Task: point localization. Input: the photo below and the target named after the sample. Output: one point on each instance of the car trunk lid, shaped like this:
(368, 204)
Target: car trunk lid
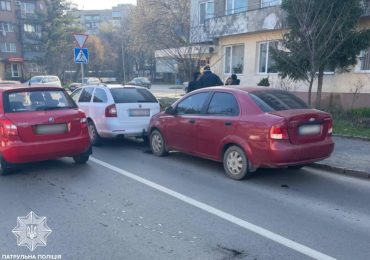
(46, 125)
(306, 125)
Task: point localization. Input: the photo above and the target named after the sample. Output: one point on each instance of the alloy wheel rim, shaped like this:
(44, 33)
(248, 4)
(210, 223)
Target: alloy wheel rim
(91, 132)
(157, 143)
(234, 163)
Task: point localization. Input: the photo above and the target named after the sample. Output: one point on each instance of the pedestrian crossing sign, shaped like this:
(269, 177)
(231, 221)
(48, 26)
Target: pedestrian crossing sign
(81, 56)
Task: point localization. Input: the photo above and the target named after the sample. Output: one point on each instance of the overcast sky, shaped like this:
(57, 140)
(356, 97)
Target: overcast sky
(95, 4)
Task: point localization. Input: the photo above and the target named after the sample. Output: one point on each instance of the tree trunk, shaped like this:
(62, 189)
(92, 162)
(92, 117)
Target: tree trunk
(310, 92)
(319, 88)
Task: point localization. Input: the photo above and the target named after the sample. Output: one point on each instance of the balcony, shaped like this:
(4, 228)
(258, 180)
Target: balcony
(256, 17)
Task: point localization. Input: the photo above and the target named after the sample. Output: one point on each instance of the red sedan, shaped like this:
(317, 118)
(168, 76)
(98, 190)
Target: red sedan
(40, 123)
(245, 128)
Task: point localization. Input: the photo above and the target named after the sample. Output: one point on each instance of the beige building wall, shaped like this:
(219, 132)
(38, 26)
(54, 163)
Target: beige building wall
(333, 83)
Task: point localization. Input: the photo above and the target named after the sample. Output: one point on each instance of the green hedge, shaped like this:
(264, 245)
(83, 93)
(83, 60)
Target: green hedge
(361, 112)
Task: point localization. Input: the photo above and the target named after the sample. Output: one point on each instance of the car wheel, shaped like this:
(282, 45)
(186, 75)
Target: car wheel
(296, 167)
(81, 158)
(93, 133)
(236, 164)
(4, 168)
(157, 144)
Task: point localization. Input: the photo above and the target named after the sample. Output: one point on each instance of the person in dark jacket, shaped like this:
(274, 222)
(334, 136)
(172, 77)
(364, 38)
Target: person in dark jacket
(233, 80)
(209, 79)
(194, 84)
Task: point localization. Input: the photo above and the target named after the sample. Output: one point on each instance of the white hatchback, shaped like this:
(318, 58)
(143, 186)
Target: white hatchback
(116, 110)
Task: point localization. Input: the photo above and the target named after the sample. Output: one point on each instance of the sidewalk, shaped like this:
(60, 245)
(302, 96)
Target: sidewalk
(350, 156)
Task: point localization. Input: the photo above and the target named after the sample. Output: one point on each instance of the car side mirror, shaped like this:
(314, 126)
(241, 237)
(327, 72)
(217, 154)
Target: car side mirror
(170, 111)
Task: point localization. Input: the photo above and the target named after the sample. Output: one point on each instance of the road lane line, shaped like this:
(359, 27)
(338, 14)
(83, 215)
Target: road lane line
(219, 213)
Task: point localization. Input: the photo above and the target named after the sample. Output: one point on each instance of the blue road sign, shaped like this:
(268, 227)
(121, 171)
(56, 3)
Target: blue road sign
(81, 56)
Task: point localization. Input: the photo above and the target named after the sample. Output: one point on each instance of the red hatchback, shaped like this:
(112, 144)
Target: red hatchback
(245, 128)
(40, 123)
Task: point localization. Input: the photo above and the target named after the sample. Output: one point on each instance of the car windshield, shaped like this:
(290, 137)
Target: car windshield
(39, 100)
(277, 100)
(132, 95)
(36, 79)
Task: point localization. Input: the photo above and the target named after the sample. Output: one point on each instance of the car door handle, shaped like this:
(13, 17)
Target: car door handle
(228, 123)
(192, 121)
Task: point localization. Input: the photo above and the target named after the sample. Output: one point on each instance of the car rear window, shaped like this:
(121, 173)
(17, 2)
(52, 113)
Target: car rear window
(132, 95)
(276, 100)
(37, 100)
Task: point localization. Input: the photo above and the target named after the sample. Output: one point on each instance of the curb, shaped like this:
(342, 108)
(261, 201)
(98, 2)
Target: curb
(352, 137)
(343, 171)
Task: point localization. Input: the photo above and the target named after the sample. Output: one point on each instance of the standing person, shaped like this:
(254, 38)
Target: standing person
(232, 80)
(194, 84)
(209, 79)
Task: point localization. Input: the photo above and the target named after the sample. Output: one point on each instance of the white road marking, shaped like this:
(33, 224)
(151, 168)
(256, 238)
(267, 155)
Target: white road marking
(221, 214)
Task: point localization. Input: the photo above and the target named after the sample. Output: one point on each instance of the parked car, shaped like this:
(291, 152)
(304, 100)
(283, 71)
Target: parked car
(86, 81)
(45, 79)
(116, 110)
(245, 128)
(140, 81)
(40, 123)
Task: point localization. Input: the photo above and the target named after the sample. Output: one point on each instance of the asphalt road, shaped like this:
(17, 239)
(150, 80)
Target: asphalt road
(128, 204)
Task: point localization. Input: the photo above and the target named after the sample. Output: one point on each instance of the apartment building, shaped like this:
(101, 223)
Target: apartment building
(19, 39)
(244, 31)
(92, 20)
(11, 56)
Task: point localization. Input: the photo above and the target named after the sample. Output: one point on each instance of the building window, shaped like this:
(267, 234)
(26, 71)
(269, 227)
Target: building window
(206, 11)
(234, 59)
(236, 6)
(8, 47)
(116, 14)
(267, 3)
(365, 60)
(6, 27)
(5, 6)
(28, 8)
(15, 70)
(31, 28)
(266, 61)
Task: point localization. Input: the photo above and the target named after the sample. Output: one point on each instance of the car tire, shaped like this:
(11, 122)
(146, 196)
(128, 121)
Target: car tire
(157, 144)
(296, 167)
(4, 168)
(81, 158)
(95, 139)
(236, 163)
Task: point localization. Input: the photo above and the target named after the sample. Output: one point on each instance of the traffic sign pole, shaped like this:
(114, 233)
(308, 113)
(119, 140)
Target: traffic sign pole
(82, 73)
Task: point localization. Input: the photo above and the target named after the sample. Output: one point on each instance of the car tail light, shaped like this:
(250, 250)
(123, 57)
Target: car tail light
(330, 128)
(111, 111)
(279, 132)
(8, 129)
(83, 122)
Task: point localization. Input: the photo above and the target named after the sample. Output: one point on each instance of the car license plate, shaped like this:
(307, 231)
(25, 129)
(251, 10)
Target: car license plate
(51, 129)
(139, 112)
(309, 129)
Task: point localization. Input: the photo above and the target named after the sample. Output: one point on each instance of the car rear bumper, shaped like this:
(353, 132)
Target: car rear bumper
(114, 128)
(282, 154)
(21, 152)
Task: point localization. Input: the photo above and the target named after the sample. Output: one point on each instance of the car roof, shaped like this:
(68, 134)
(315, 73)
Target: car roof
(26, 87)
(110, 86)
(238, 88)
(45, 76)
